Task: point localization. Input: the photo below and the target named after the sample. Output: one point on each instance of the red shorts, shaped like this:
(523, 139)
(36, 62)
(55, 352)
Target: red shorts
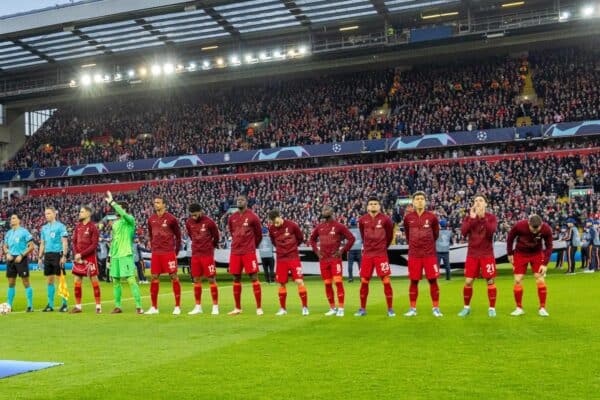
(380, 264)
(521, 261)
(163, 264)
(283, 269)
(484, 267)
(89, 267)
(203, 266)
(416, 265)
(331, 268)
(248, 261)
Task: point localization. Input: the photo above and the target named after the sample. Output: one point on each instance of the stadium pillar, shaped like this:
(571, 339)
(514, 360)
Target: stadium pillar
(12, 134)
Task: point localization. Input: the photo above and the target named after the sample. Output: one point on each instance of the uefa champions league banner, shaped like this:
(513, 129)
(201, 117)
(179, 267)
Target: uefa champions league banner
(406, 143)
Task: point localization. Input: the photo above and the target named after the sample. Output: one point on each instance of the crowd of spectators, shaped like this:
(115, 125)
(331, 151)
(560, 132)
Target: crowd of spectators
(456, 97)
(568, 82)
(467, 95)
(302, 111)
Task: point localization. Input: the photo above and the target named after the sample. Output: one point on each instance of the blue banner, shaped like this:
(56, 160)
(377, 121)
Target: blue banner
(406, 143)
(435, 33)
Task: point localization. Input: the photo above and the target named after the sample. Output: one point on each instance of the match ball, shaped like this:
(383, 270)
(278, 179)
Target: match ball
(4, 308)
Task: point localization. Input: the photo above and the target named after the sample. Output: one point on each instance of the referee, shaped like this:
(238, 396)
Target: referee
(17, 245)
(53, 254)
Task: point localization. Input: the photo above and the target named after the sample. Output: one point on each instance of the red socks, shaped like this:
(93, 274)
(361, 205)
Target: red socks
(340, 293)
(214, 292)
(329, 293)
(413, 293)
(237, 294)
(282, 297)
(364, 293)
(77, 292)
(434, 290)
(518, 290)
(542, 293)
(177, 292)
(154, 285)
(303, 295)
(257, 293)
(198, 292)
(389, 294)
(467, 294)
(96, 287)
(492, 295)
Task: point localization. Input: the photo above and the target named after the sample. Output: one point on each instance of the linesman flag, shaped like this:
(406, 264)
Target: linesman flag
(63, 291)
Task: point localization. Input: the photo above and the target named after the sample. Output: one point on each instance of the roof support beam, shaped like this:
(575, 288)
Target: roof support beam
(32, 50)
(222, 21)
(297, 12)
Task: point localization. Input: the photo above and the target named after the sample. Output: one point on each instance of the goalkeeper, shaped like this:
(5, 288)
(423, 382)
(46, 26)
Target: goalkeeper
(121, 254)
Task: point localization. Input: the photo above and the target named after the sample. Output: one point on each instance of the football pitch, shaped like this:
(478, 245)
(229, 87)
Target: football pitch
(130, 356)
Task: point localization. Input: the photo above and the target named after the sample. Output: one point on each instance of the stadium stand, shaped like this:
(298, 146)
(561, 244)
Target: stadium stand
(352, 106)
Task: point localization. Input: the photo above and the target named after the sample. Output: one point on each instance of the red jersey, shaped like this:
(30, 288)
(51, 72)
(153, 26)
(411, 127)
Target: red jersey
(421, 233)
(330, 235)
(377, 234)
(165, 234)
(481, 234)
(204, 235)
(85, 239)
(286, 239)
(246, 232)
(530, 243)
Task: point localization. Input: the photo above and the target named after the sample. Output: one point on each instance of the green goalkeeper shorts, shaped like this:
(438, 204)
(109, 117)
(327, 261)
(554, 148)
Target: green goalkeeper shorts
(122, 267)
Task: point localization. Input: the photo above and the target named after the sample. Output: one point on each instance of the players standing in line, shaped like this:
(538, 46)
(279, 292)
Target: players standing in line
(246, 232)
(479, 227)
(18, 243)
(165, 242)
(422, 229)
(85, 263)
(286, 236)
(53, 254)
(377, 233)
(204, 234)
(121, 255)
(530, 234)
(330, 234)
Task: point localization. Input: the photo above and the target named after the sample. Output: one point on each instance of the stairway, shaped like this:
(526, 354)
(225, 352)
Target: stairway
(528, 93)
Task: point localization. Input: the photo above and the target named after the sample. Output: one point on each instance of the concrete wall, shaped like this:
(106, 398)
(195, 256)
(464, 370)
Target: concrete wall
(12, 134)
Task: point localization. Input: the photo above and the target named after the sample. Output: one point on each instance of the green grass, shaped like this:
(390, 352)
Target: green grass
(129, 356)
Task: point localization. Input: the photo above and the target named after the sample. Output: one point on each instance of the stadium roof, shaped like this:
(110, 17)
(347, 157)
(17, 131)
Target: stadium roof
(102, 27)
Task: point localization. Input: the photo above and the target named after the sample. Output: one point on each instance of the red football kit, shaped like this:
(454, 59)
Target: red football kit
(205, 238)
(246, 233)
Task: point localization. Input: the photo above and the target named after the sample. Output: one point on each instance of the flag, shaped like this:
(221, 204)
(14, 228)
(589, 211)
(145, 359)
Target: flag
(63, 291)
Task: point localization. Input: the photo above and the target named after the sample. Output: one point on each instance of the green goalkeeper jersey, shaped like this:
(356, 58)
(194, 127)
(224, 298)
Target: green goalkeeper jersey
(123, 231)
